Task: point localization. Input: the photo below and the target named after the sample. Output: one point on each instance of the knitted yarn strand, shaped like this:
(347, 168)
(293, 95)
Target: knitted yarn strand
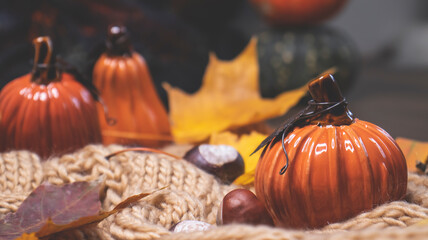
(191, 195)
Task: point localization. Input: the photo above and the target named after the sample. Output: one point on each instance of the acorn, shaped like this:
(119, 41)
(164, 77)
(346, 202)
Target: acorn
(242, 206)
(223, 161)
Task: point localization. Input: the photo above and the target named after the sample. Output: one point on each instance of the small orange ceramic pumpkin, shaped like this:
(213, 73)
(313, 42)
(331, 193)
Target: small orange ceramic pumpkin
(338, 165)
(123, 79)
(47, 111)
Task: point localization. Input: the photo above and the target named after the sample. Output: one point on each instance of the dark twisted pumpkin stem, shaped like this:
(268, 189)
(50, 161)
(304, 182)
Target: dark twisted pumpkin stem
(118, 42)
(328, 107)
(44, 69)
(326, 93)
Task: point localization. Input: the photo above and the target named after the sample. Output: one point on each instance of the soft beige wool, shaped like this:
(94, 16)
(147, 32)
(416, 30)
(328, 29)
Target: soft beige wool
(191, 194)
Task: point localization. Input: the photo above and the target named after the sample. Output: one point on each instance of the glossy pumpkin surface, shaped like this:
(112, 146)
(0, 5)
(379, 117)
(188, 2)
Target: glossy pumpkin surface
(335, 171)
(298, 12)
(124, 82)
(49, 118)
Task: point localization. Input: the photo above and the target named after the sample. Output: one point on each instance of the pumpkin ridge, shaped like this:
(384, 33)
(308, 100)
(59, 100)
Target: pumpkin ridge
(129, 83)
(343, 187)
(387, 153)
(285, 209)
(102, 79)
(82, 110)
(311, 162)
(262, 192)
(43, 121)
(54, 108)
(145, 97)
(365, 199)
(65, 118)
(7, 110)
(29, 127)
(287, 197)
(389, 161)
(271, 164)
(72, 89)
(124, 106)
(19, 127)
(333, 150)
(296, 203)
(137, 99)
(374, 198)
(162, 124)
(143, 71)
(69, 124)
(110, 74)
(11, 125)
(8, 92)
(100, 74)
(396, 159)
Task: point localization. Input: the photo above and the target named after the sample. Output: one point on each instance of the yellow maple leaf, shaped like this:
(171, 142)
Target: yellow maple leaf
(229, 98)
(245, 145)
(413, 151)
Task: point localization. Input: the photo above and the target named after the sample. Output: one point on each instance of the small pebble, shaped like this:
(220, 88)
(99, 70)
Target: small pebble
(190, 226)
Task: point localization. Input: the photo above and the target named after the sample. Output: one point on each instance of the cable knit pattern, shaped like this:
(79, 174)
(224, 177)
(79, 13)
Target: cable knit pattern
(20, 171)
(190, 194)
(10, 202)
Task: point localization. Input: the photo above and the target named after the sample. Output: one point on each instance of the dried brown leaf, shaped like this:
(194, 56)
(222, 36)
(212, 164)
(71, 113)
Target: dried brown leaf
(51, 209)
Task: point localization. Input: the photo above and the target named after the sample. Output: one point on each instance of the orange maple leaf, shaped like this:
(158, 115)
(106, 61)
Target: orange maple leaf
(229, 98)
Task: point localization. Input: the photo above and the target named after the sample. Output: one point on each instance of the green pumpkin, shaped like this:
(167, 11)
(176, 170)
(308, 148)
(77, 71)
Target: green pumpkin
(291, 58)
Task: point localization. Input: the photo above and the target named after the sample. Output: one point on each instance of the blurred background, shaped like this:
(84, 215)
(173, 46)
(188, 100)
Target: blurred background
(380, 48)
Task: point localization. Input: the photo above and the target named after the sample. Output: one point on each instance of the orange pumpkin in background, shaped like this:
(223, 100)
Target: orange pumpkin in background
(338, 166)
(298, 12)
(124, 82)
(48, 112)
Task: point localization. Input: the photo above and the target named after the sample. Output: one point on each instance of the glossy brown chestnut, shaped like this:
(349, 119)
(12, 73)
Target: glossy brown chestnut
(242, 206)
(222, 161)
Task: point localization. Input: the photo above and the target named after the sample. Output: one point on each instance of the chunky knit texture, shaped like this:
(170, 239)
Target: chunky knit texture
(191, 194)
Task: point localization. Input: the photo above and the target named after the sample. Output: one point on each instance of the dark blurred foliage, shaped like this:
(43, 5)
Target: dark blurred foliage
(175, 36)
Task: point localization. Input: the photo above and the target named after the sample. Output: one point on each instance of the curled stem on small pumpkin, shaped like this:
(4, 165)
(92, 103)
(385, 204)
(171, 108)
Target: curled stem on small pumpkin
(144, 149)
(44, 70)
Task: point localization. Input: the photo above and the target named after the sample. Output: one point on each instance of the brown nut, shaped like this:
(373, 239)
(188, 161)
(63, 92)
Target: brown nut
(222, 161)
(242, 206)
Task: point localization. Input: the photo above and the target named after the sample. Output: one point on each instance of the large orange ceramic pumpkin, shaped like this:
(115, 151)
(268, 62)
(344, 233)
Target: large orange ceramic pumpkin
(47, 111)
(338, 165)
(298, 12)
(122, 77)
